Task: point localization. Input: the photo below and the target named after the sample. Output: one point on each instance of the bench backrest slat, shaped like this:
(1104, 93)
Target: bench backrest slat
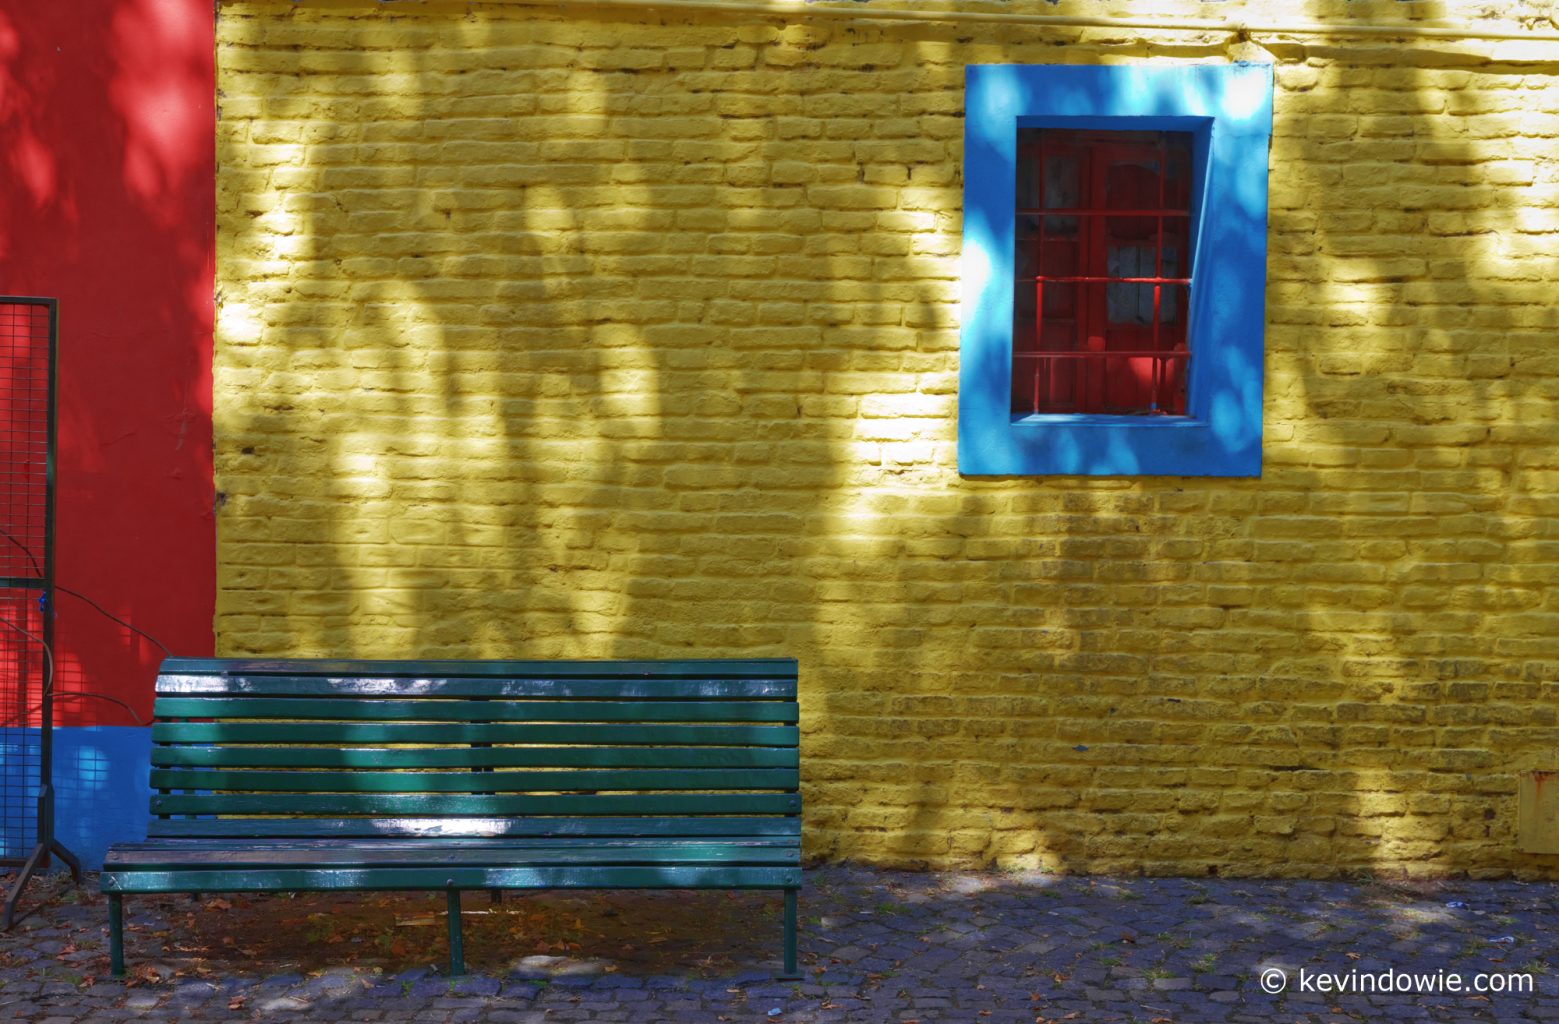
(415, 688)
(478, 710)
(689, 668)
(584, 780)
(309, 748)
(249, 755)
(340, 733)
(444, 828)
(460, 805)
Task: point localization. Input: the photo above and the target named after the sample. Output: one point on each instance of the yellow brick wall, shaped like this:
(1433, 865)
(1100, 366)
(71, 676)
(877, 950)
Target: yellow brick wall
(583, 333)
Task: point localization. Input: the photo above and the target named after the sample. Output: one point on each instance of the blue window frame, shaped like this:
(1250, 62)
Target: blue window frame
(1227, 110)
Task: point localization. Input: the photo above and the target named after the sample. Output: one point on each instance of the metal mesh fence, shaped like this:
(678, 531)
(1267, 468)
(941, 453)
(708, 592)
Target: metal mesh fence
(27, 329)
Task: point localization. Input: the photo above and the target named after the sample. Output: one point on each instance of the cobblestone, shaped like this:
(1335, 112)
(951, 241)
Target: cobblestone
(877, 946)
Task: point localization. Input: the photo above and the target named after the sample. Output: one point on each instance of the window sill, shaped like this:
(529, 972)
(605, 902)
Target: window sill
(1103, 420)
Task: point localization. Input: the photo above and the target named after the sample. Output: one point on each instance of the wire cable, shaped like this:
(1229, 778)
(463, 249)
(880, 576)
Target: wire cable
(48, 684)
(48, 672)
(105, 612)
(24, 549)
(16, 721)
(48, 655)
(79, 595)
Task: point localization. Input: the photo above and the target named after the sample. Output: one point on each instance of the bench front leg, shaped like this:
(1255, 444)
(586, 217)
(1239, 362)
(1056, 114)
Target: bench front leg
(457, 953)
(116, 938)
(790, 974)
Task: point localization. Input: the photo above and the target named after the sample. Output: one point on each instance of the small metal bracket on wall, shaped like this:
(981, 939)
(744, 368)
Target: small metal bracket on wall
(29, 342)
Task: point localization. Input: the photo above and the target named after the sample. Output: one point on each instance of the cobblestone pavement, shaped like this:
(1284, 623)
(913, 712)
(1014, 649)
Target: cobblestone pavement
(877, 946)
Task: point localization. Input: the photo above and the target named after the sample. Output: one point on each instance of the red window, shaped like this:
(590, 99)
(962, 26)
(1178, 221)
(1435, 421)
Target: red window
(1103, 272)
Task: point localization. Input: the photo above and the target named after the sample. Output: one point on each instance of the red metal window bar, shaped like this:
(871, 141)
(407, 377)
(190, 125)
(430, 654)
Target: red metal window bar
(1103, 263)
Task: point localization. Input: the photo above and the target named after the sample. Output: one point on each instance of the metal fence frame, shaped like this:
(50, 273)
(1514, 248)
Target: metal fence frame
(40, 581)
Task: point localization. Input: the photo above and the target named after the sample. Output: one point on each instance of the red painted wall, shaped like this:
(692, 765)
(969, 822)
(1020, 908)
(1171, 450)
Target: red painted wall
(107, 202)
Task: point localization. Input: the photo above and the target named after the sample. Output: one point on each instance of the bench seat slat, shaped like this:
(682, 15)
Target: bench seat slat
(537, 688)
(394, 732)
(436, 805)
(250, 756)
(404, 855)
(479, 827)
(529, 781)
(386, 710)
(408, 878)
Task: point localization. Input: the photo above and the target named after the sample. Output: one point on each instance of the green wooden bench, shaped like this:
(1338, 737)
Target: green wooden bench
(447, 775)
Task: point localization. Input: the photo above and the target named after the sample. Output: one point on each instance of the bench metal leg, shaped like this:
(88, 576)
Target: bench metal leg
(116, 939)
(790, 973)
(496, 895)
(457, 953)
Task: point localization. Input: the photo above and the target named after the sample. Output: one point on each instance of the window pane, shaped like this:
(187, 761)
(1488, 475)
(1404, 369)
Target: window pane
(1100, 291)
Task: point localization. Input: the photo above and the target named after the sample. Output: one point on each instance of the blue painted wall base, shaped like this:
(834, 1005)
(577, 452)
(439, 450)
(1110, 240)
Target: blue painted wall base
(102, 783)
